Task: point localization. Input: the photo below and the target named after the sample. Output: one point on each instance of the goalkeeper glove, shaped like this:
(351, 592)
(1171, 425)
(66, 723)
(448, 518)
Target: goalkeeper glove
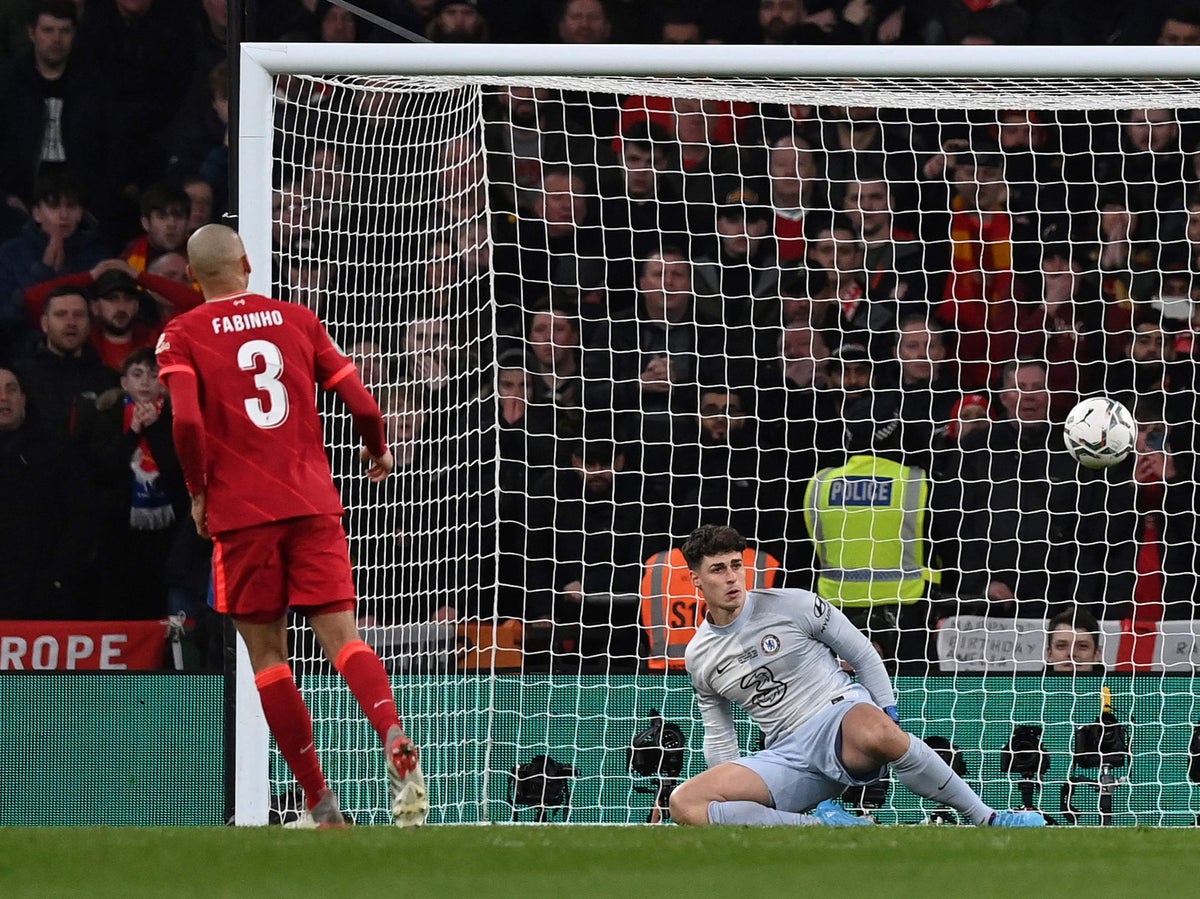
(892, 712)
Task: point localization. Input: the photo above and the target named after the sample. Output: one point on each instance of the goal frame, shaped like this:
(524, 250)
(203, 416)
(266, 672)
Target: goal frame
(260, 63)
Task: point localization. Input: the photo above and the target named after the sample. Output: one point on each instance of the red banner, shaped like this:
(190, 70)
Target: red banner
(82, 645)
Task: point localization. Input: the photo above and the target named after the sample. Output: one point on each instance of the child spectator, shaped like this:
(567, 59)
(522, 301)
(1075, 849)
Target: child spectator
(140, 491)
(57, 240)
(166, 211)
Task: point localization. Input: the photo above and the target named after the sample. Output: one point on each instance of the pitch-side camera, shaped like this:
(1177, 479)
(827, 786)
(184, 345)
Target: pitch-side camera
(1024, 756)
(543, 784)
(658, 752)
(1102, 745)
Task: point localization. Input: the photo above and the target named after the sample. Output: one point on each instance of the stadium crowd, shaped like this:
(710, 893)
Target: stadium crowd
(698, 307)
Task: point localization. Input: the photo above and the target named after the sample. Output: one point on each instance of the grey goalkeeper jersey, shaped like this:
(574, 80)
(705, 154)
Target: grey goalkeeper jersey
(777, 661)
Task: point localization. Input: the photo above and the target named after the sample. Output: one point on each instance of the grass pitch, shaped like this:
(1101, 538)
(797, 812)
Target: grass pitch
(629, 862)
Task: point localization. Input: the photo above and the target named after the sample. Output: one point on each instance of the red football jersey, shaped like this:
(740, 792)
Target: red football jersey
(257, 362)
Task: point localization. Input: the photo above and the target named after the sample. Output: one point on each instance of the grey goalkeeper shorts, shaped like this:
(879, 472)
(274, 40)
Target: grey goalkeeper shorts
(805, 767)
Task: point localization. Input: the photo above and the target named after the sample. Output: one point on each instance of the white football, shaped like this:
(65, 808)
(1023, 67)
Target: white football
(1099, 432)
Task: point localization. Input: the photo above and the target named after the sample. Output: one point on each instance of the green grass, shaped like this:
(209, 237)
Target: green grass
(568, 862)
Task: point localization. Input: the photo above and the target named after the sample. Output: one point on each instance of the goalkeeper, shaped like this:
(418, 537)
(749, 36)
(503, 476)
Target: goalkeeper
(773, 653)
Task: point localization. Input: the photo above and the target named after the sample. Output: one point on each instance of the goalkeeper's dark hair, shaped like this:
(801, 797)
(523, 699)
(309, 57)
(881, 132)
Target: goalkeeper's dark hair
(711, 540)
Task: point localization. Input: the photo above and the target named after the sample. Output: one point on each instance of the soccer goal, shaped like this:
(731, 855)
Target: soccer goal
(605, 294)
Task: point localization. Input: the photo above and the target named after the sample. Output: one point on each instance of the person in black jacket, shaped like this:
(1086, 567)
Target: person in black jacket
(63, 371)
(43, 515)
(1019, 510)
(57, 114)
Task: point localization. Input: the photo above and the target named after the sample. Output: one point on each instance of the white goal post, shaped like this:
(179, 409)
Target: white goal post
(474, 723)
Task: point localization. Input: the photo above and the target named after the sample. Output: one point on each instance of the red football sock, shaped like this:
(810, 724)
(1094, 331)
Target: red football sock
(291, 724)
(368, 681)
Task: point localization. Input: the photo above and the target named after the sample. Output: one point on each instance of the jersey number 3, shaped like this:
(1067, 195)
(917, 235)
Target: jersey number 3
(265, 359)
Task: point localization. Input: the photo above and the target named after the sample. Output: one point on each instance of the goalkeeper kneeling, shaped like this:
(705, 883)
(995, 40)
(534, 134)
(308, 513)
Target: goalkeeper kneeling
(774, 653)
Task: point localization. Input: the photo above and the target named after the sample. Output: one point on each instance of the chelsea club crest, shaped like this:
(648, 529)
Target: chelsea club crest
(769, 644)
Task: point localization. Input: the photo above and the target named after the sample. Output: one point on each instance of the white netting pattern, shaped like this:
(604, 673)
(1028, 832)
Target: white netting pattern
(979, 93)
(599, 311)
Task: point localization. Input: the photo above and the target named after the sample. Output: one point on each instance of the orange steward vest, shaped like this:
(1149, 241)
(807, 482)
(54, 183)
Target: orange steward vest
(672, 608)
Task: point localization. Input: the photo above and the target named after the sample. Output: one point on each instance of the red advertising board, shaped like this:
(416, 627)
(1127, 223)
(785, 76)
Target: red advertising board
(82, 645)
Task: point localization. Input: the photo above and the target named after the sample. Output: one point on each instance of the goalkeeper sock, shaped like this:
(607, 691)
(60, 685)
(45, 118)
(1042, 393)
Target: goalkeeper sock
(751, 813)
(925, 773)
(368, 681)
(291, 724)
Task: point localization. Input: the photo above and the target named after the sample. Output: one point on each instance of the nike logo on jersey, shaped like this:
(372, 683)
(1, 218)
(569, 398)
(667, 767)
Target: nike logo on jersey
(947, 783)
(743, 657)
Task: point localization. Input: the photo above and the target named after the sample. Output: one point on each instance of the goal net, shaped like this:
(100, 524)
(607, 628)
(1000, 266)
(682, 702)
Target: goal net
(841, 309)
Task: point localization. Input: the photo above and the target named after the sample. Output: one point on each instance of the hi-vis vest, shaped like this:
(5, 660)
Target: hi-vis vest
(672, 608)
(867, 522)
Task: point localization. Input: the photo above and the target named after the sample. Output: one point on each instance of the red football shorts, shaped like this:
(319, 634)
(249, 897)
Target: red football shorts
(260, 572)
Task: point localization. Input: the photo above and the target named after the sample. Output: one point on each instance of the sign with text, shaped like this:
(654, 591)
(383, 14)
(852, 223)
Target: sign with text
(974, 643)
(82, 645)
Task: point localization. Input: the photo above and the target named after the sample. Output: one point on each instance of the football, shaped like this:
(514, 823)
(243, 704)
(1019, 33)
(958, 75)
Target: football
(1099, 432)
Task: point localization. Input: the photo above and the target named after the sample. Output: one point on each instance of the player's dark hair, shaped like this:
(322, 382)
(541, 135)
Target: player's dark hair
(711, 540)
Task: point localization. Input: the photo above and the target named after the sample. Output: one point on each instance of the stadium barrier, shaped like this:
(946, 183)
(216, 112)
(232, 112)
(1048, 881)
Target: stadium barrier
(85, 749)
(111, 748)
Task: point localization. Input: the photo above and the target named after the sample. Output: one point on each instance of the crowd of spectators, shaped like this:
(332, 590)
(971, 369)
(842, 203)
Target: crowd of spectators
(647, 312)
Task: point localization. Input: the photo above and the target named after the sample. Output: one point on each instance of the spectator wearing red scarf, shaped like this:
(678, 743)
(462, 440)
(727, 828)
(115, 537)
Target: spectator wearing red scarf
(978, 298)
